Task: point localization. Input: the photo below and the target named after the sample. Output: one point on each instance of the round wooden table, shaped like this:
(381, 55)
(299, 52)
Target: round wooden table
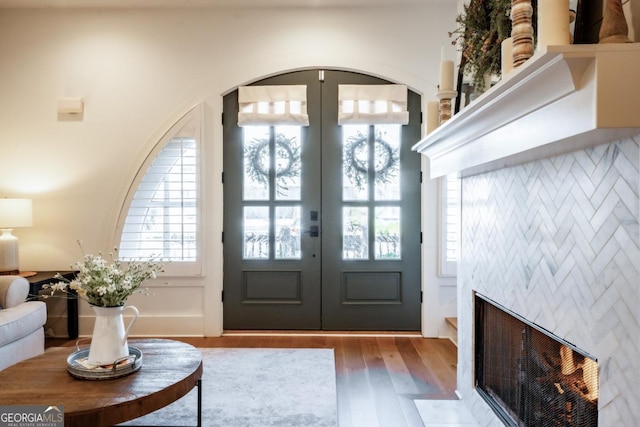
(170, 369)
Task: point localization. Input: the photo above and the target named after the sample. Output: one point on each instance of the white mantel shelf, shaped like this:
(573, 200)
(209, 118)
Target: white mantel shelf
(564, 99)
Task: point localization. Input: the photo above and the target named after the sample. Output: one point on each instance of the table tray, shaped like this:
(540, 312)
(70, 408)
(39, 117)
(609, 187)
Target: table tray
(121, 367)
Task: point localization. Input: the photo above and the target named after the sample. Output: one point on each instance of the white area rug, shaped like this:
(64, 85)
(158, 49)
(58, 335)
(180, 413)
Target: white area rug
(250, 387)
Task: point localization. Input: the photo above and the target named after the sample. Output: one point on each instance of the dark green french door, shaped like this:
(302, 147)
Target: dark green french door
(321, 223)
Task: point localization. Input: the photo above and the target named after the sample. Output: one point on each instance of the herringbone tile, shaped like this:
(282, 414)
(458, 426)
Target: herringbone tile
(557, 241)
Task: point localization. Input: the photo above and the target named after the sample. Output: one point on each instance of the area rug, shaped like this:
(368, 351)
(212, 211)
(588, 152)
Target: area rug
(247, 387)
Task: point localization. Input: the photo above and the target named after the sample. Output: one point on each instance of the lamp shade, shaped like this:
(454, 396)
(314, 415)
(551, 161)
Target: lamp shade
(15, 213)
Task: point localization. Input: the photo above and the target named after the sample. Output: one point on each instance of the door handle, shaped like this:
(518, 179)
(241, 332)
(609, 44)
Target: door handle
(314, 231)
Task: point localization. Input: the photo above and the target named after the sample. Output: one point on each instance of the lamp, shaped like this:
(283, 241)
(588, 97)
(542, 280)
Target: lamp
(14, 213)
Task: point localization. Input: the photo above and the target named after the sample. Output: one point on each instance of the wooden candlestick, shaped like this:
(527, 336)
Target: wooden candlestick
(521, 31)
(445, 97)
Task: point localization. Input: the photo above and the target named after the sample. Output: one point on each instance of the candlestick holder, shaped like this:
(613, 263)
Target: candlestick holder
(521, 31)
(445, 97)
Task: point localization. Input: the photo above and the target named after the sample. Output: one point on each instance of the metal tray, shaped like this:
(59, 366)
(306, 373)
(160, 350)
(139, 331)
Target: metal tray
(120, 368)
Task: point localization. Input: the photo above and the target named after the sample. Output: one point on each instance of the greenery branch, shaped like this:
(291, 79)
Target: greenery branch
(481, 28)
(106, 284)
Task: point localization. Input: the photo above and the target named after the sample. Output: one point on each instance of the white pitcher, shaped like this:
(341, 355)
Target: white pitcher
(109, 340)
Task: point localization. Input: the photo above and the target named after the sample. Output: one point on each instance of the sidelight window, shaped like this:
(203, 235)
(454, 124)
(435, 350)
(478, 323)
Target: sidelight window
(450, 195)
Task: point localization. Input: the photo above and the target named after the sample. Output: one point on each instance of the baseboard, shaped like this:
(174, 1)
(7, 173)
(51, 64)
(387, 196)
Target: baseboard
(450, 330)
(400, 334)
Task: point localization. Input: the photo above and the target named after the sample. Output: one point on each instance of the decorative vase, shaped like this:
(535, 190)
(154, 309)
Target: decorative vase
(109, 340)
(614, 28)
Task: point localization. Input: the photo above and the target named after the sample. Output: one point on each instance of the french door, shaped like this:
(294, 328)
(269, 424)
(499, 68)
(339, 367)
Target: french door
(322, 222)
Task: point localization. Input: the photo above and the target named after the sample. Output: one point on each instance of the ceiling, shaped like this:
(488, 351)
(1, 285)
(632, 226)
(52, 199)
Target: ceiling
(27, 4)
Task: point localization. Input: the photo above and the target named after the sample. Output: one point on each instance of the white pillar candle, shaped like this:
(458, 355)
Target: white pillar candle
(506, 59)
(446, 75)
(433, 116)
(553, 23)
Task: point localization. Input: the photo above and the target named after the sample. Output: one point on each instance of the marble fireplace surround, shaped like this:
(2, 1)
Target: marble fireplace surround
(550, 167)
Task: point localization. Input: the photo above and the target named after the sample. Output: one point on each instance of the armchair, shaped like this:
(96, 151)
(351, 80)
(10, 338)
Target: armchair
(21, 322)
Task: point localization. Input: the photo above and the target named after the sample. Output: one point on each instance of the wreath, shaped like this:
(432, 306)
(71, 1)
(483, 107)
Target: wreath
(356, 160)
(481, 28)
(287, 161)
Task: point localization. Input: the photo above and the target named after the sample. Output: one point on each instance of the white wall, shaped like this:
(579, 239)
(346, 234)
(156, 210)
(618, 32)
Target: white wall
(138, 71)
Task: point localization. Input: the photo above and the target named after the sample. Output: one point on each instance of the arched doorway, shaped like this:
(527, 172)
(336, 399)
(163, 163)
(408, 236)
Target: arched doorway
(322, 222)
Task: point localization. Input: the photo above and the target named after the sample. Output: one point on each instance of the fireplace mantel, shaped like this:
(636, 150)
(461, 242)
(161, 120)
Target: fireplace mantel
(563, 99)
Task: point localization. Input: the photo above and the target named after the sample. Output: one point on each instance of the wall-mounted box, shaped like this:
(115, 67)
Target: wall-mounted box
(70, 106)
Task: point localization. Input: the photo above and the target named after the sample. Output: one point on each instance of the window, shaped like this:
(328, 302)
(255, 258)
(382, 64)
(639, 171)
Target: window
(162, 207)
(449, 224)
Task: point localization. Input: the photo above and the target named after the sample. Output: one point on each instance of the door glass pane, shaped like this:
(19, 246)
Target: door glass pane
(387, 229)
(387, 162)
(257, 160)
(256, 232)
(355, 233)
(287, 232)
(288, 163)
(355, 162)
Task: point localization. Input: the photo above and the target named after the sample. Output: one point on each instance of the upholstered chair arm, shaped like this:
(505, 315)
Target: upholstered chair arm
(13, 291)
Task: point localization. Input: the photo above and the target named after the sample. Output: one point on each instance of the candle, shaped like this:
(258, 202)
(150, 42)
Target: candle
(446, 75)
(506, 58)
(553, 23)
(433, 116)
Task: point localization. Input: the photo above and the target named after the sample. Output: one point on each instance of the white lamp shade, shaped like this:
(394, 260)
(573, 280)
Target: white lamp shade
(15, 213)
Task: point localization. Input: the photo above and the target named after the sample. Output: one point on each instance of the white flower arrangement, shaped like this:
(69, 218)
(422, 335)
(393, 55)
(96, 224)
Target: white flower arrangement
(107, 284)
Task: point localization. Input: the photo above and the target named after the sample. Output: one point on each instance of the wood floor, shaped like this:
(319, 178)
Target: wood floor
(378, 376)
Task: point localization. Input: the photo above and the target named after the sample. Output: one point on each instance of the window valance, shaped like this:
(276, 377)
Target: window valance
(272, 105)
(372, 104)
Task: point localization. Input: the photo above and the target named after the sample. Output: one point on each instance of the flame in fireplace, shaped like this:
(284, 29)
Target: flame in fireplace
(568, 365)
(589, 368)
(590, 377)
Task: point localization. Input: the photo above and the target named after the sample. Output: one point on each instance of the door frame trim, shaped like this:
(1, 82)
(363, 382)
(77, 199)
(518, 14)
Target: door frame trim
(433, 323)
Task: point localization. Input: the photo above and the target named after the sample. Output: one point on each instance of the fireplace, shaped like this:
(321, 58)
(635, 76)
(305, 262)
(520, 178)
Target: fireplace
(528, 376)
(549, 215)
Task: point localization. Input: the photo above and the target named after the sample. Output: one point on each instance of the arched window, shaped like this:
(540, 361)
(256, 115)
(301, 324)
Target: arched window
(162, 213)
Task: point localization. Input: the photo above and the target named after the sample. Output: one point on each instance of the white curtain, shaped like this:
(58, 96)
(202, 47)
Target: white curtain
(272, 105)
(372, 104)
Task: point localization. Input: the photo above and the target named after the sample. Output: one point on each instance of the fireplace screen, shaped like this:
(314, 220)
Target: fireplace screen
(528, 376)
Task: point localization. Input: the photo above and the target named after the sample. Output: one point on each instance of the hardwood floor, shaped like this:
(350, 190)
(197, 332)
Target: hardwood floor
(378, 376)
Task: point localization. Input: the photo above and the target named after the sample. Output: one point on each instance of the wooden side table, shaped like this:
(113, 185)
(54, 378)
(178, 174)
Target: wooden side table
(36, 284)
